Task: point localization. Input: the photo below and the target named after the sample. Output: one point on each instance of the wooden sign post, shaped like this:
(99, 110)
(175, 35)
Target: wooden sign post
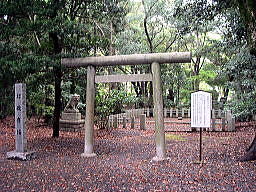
(20, 126)
(201, 105)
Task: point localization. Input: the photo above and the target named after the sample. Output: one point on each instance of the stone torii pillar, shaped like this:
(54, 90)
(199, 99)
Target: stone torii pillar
(89, 119)
(158, 113)
(155, 59)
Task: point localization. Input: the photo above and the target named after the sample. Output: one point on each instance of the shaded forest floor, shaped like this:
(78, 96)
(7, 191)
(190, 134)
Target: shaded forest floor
(124, 162)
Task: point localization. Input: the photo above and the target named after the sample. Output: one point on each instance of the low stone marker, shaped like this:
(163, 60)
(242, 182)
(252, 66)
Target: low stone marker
(143, 121)
(132, 122)
(230, 121)
(124, 122)
(115, 122)
(21, 152)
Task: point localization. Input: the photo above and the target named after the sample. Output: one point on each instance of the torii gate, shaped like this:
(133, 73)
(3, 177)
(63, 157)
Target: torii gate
(155, 59)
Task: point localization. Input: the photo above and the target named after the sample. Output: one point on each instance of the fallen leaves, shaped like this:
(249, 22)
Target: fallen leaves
(124, 161)
(174, 137)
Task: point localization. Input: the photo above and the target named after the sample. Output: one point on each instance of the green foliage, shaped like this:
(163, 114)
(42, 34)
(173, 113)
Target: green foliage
(244, 108)
(36, 34)
(110, 102)
(241, 69)
(218, 33)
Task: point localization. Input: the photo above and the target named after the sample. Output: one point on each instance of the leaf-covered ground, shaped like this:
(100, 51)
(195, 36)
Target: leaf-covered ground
(124, 162)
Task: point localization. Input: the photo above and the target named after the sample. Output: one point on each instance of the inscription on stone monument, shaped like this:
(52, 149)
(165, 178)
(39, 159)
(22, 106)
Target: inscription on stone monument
(20, 126)
(201, 104)
(20, 117)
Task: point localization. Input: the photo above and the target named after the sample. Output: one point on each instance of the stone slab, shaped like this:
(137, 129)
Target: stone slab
(88, 155)
(69, 122)
(71, 129)
(21, 155)
(72, 126)
(71, 116)
(156, 158)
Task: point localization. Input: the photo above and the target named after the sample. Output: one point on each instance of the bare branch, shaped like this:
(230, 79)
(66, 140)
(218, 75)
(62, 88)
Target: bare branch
(174, 39)
(202, 64)
(159, 43)
(32, 20)
(98, 26)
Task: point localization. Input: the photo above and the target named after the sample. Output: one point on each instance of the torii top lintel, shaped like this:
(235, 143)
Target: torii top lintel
(134, 59)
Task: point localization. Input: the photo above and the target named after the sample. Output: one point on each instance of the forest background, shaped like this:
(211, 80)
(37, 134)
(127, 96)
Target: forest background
(36, 34)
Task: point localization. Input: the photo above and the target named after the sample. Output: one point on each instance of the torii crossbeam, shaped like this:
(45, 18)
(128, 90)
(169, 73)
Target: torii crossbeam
(155, 59)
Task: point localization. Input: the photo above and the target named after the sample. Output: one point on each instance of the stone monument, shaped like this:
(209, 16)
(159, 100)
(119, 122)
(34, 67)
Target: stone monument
(21, 151)
(71, 117)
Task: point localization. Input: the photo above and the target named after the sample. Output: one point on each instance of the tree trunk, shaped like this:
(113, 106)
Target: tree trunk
(170, 95)
(73, 87)
(150, 102)
(251, 152)
(178, 93)
(57, 99)
(48, 103)
(57, 82)
(3, 95)
(226, 92)
(247, 9)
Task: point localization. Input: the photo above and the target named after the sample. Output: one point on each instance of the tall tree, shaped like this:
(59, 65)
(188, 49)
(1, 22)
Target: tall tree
(241, 63)
(46, 31)
(242, 73)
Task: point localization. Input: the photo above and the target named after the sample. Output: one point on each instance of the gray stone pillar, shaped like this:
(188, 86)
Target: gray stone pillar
(182, 112)
(20, 118)
(132, 122)
(89, 119)
(219, 113)
(158, 113)
(177, 112)
(124, 121)
(171, 110)
(148, 113)
(143, 121)
(115, 122)
(165, 112)
(213, 121)
(233, 124)
(21, 151)
(230, 124)
(223, 124)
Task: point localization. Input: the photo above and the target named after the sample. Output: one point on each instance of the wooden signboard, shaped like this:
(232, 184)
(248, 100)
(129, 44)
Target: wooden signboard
(201, 104)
